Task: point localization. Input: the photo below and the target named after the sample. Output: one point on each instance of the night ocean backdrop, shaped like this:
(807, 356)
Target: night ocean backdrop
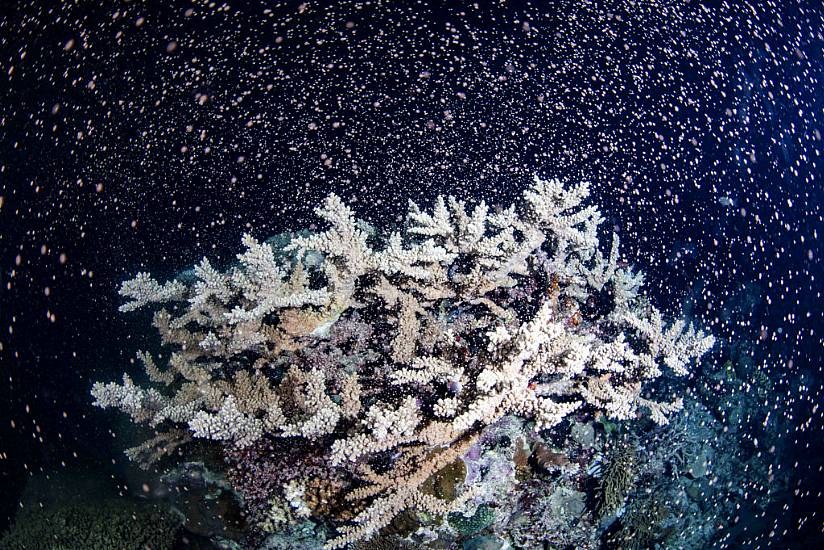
(144, 136)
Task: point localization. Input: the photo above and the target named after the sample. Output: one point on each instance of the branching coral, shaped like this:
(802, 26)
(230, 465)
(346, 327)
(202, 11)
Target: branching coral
(616, 479)
(470, 316)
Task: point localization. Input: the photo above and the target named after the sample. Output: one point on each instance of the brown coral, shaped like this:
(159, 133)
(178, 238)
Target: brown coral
(548, 459)
(617, 479)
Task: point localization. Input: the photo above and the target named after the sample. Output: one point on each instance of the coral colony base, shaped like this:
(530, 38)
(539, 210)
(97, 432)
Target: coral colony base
(363, 364)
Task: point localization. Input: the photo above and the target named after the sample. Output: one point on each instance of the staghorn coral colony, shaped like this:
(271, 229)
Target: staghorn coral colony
(345, 373)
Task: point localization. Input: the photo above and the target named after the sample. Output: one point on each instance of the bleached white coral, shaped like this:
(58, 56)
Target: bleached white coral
(210, 342)
(615, 356)
(446, 407)
(675, 345)
(498, 337)
(477, 315)
(546, 412)
(139, 403)
(659, 412)
(320, 412)
(384, 427)
(142, 290)
(489, 240)
(421, 262)
(383, 422)
(560, 211)
(295, 494)
(264, 283)
(211, 284)
(344, 243)
(227, 424)
(603, 269)
(617, 401)
(425, 370)
(626, 287)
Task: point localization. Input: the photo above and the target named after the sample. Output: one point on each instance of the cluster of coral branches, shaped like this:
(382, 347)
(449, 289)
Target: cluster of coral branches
(379, 358)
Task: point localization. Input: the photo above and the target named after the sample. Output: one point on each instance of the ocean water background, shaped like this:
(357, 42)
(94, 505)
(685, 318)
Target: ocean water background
(135, 136)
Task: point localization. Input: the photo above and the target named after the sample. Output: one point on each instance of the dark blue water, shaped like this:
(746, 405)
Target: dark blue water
(142, 137)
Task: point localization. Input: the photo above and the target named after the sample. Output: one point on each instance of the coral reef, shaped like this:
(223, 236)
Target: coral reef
(552, 515)
(616, 478)
(640, 527)
(696, 484)
(375, 361)
(483, 517)
(113, 524)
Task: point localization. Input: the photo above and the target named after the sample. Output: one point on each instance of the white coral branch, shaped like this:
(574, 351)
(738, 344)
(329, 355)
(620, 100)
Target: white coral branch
(142, 290)
(227, 424)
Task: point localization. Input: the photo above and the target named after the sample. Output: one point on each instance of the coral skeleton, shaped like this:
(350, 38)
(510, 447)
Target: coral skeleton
(460, 319)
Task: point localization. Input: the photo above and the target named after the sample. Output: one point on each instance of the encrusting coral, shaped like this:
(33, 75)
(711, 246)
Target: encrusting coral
(470, 315)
